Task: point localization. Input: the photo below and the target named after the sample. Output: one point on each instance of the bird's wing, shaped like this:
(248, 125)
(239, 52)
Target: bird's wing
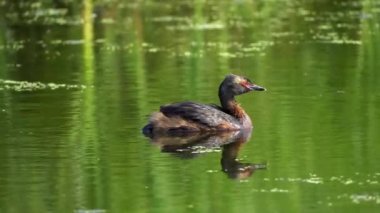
(207, 115)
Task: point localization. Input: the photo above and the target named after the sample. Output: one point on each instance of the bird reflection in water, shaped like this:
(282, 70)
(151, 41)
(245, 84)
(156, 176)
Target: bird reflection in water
(189, 145)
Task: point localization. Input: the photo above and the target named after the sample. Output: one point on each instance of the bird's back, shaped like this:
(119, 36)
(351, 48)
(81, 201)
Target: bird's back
(190, 116)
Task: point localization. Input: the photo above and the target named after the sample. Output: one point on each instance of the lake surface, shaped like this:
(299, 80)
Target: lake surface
(79, 80)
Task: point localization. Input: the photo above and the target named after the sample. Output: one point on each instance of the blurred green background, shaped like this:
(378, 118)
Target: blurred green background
(78, 80)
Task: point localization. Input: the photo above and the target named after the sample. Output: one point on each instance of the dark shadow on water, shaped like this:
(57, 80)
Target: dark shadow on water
(190, 145)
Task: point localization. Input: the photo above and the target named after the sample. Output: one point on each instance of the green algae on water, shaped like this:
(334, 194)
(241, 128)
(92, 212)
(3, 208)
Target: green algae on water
(20, 86)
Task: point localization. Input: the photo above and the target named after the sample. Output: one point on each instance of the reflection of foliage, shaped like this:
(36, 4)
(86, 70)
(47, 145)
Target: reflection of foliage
(322, 76)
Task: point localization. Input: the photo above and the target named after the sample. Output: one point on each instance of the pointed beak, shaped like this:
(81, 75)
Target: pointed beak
(256, 87)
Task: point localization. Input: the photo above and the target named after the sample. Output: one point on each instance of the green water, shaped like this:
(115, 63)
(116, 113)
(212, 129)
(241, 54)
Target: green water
(79, 80)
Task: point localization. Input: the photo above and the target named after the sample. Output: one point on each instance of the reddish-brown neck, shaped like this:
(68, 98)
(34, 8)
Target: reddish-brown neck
(229, 104)
(235, 109)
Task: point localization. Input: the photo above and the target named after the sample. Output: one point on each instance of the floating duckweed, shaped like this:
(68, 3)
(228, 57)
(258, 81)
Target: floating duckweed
(153, 50)
(231, 49)
(325, 27)
(107, 21)
(314, 180)
(100, 41)
(38, 13)
(63, 42)
(258, 46)
(171, 19)
(279, 190)
(228, 55)
(202, 149)
(274, 190)
(13, 46)
(349, 181)
(372, 182)
(286, 34)
(20, 86)
(204, 26)
(56, 41)
(360, 198)
(74, 42)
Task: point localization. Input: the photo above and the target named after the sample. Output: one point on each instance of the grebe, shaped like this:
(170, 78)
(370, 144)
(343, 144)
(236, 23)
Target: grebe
(196, 117)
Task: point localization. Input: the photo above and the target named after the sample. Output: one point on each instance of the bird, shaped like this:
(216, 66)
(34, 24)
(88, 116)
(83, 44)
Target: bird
(188, 116)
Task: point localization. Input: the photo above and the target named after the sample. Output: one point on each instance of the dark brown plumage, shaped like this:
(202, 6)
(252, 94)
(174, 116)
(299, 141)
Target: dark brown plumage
(190, 116)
